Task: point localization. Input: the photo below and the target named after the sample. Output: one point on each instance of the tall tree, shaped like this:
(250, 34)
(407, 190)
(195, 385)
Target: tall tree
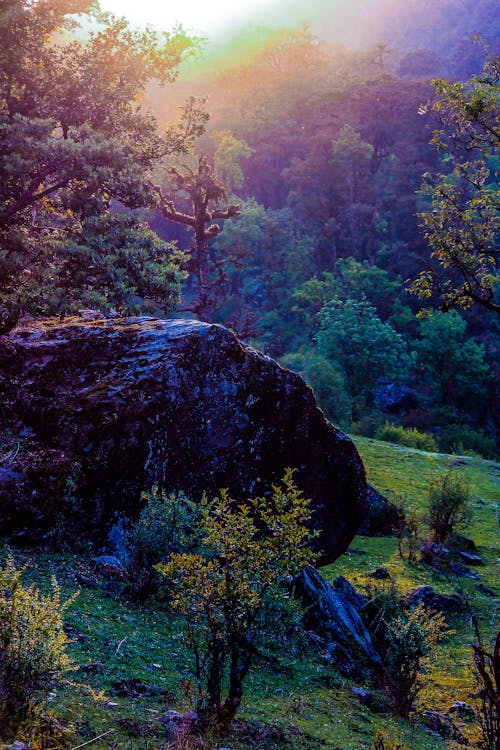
(74, 142)
(204, 194)
(196, 194)
(368, 350)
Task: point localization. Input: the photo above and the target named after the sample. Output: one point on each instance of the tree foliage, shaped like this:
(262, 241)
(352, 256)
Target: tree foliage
(462, 226)
(76, 143)
(368, 350)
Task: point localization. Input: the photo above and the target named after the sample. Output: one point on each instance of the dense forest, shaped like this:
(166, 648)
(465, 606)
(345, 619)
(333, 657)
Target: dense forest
(327, 194)
(336, 158)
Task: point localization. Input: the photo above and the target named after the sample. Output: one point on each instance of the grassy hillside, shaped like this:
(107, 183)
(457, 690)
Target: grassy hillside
(133, 663)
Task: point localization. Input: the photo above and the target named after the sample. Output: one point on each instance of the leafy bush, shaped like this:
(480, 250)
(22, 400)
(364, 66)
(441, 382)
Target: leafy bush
(32, 641)
(411, 637)
(166, 524)
(222, 592)
(408, 436)
(448, 505)
(463, 440)
(406, 639)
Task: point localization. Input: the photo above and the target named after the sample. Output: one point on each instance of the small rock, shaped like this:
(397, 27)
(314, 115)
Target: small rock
(380, 573)
(89, 583)
(462, 708)
(444, 726)
(134, 688)
(178, 725)
(363, 695)
(109, 566)
(459, 569)
(486, 590)
(469, 559)
(462, 543)
(452, 603)
(433, 554)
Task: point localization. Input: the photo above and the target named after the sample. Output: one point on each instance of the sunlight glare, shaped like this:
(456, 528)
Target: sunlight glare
(198, 16)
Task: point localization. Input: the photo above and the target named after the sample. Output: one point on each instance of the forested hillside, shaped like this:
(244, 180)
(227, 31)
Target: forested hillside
(334, 157)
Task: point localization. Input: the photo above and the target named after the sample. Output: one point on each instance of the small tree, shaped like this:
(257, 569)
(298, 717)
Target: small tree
(367, 349)
(405, 638)
(32, 641)
(487, 675)
(448, 506)
(408, 534)
(249, 551)
(411, 638)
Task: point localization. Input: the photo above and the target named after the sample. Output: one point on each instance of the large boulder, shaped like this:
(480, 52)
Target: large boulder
(102, 409)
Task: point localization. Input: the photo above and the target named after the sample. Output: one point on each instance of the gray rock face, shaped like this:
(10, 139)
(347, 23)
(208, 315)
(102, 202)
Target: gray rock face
(108, 408)
(332, 613)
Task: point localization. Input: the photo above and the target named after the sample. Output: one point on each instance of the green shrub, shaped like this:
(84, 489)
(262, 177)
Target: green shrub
(406, 639)
(32, 641)
(411, 637)
(448, 505)
(166, 525)
(462, 440)
(408, 436)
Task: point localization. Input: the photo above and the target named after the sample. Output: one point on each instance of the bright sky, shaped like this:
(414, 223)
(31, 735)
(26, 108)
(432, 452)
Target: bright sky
(205, 17)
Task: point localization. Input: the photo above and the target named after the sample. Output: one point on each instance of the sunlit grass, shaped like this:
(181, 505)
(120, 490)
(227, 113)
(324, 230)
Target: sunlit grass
(294, 698)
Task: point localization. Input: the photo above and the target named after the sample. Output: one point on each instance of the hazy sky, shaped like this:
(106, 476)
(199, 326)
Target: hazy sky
(201, 16)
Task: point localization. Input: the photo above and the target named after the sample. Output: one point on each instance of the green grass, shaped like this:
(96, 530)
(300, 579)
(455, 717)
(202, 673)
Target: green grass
(294, 698)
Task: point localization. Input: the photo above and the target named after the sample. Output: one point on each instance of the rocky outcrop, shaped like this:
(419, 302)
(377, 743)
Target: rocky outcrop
(102, 409)
(332, 611)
